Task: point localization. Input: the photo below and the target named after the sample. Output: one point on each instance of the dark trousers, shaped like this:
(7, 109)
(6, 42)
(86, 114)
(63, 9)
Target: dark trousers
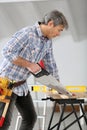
(26, 109)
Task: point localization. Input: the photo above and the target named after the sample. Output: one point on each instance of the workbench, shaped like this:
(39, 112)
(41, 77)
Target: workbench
(79, 99)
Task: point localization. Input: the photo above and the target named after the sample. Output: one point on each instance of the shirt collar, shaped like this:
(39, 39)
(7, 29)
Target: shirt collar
(38, 30)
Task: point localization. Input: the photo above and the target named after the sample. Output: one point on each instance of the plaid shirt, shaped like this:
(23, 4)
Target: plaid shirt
(30, 44)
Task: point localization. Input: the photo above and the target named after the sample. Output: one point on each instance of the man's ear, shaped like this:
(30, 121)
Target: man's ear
(50, 23)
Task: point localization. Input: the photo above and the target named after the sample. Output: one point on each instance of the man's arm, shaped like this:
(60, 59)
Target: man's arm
(32, 67)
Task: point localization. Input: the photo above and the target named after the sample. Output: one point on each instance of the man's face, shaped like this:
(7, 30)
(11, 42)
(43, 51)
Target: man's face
(54, 31)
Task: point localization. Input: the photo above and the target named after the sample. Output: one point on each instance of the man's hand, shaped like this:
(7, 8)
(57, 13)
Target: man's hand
(34, 68)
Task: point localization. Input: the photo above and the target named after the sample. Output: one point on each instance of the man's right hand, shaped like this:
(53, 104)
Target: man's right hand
(34, 68)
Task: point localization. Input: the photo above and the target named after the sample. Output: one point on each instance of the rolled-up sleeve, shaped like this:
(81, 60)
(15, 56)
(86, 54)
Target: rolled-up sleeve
(14, 46)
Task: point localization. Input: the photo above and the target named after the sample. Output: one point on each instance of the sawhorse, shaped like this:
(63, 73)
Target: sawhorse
(64, 103)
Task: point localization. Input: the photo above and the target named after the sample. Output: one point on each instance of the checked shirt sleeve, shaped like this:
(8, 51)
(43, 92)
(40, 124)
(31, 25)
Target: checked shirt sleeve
(50, 63)
(14, 46)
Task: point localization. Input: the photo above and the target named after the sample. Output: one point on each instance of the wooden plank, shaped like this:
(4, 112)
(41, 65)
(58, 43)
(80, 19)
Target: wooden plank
(69, 109)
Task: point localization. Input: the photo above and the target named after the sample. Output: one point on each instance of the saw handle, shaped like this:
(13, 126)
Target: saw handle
(40, 73)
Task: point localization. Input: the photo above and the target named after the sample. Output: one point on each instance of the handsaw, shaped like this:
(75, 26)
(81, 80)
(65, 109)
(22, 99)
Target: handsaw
(45, 78)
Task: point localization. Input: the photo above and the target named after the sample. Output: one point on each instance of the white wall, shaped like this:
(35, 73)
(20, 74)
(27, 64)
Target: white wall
(2, 43)
(71, 60)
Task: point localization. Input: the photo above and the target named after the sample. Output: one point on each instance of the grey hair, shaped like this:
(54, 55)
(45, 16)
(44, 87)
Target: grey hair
(57, 17)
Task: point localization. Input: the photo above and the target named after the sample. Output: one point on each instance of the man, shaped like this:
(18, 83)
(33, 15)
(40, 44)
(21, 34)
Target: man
(21, 54)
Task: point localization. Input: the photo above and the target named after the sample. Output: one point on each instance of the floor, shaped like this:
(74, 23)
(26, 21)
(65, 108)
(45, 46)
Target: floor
(38, 125)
